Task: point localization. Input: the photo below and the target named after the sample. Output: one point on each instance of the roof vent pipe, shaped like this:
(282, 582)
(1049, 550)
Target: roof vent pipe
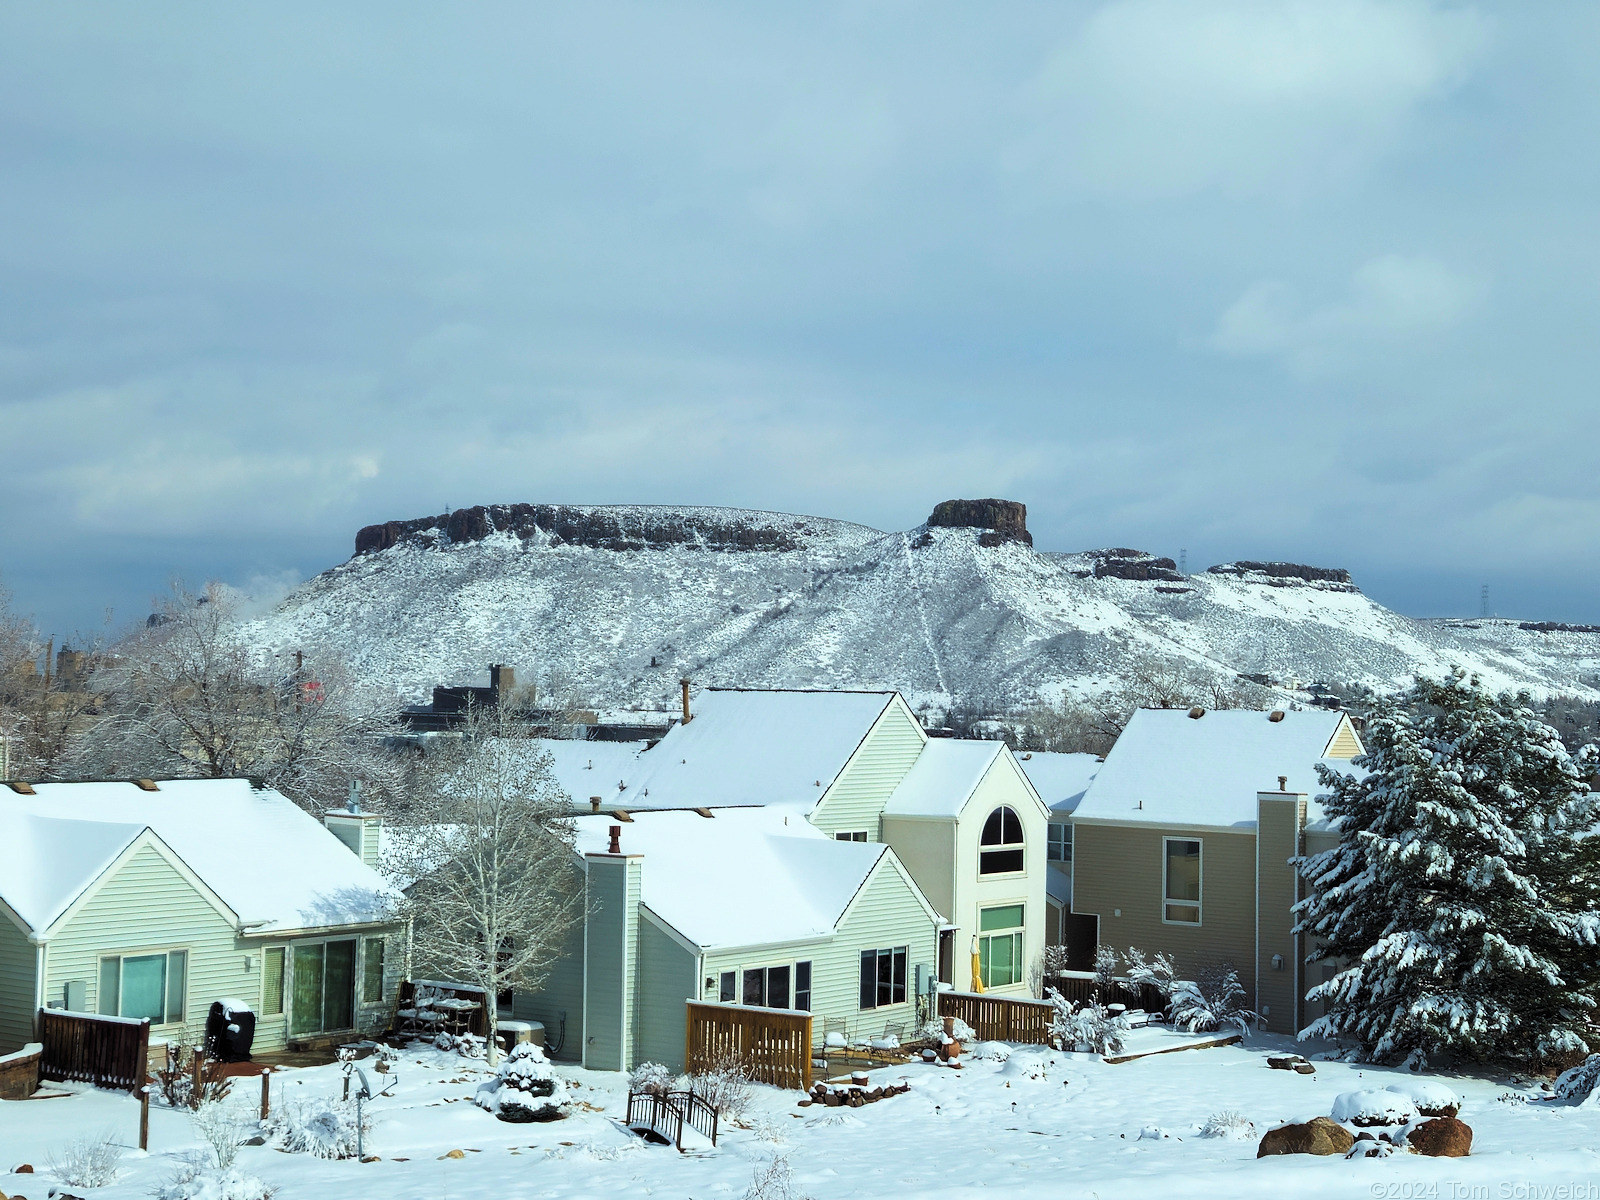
(684, 684)
(594, 803)
(1283, 783)
(616, 840)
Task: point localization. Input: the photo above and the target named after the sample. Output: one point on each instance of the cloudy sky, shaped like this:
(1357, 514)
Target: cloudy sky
(1309, 280)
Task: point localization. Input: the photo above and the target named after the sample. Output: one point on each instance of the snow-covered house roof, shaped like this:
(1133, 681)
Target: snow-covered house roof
(943, 778)
(271, 863)
(1060, 779)
(754, 747)
(1168, 768)
(50, 862)
(587, 769)
(742, 876)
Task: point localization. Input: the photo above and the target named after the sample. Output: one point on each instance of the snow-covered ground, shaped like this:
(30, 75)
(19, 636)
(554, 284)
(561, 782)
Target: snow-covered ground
(1037, 1124)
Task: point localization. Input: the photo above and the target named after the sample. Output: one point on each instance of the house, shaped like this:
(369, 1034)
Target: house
(1182, 842)
(751, 906)
(956, 820)
(1061, 781)
(154, 899)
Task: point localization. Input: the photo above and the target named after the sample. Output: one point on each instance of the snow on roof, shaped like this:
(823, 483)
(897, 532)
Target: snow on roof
(50, 861)
(267, 859)
(585, 769)
(1060, 779)
(754, 747)
(1168, 768)
(742, 876)
(943, 778)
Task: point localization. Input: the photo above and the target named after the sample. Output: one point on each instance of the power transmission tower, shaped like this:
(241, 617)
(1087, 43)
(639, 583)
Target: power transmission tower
(1483, 601)
(1183, 562)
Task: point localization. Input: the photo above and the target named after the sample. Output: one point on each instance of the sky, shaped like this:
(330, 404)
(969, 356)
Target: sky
(1307, 280)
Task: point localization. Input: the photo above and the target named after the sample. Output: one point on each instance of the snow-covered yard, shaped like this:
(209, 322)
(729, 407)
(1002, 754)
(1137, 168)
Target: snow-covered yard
(1037, 1123)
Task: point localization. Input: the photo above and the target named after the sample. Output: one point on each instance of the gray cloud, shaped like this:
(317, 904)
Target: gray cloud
(1310, 280)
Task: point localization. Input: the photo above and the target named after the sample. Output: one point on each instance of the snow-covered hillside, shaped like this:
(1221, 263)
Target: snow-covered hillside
(625, 600)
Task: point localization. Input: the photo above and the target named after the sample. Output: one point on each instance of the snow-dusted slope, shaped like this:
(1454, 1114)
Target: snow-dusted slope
(626, 600)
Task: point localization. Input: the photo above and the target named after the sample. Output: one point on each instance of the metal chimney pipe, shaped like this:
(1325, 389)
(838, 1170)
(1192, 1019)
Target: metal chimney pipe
(1283, 783)
(616, 840)
(684, 684)
(594, 803)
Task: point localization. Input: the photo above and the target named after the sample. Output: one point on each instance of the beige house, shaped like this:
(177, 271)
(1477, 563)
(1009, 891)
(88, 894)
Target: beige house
(1182, 843)
(155, 899)
(1061, 780)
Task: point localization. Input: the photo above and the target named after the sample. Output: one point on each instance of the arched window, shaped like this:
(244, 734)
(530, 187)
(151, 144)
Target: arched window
(1000, 851)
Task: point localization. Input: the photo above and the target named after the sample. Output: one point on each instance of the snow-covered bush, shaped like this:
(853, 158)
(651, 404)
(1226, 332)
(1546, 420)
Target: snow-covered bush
(174, 1083)
(962, 1032)
(88, 1162)
(321, 1125)
(224, 1128)
(1105, 971)
(1431, 1098)
(991, 1051)
(1582, 1083)
(1229, 1123)
(772, 1181)
(725, 1085)
(525, 1088)
(198, 1181)
(1088, 1026)
(1374, 1107)
(1156, 971)
(1214, 1003)
(650, 1077)
(468, 1045)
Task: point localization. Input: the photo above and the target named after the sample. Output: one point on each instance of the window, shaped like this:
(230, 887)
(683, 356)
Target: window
(322, 986)
(769, 987)
(851, 835)
(372, 970)
(726, 993)
(883, 977)
(272, 982)
(1000, 945)
(1181, 898)
(1060, 848)
(151, 986)
(1001, 844)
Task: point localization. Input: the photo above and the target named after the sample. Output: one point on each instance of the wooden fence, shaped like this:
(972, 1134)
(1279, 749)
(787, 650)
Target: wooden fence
(1080, 986)
(109, 1052)
(773, 1044)
(999, 1018)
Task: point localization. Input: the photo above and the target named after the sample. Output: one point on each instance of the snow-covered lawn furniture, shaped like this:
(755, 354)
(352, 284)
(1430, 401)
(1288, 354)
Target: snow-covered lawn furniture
(429, 1007)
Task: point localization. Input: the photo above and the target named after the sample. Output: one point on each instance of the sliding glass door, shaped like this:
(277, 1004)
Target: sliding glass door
(323, 987)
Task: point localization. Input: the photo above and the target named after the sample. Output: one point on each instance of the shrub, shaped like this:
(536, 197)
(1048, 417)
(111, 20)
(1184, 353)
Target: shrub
(175, 1081)
(223, 1128)
(197, 1181)
(1229, 1123)
(1089, 1026)
(1156, 971)
(772, 1181)
(1581, 1082)
(524, 1088)
(319, 1125)
(1211, 1004)
(725, 1085)
(88, 1162)
(650, 1077)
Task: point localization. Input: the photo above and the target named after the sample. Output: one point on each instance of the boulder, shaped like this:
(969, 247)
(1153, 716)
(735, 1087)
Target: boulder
(1320, 1135)
(1006, 519)
(1442, 1137)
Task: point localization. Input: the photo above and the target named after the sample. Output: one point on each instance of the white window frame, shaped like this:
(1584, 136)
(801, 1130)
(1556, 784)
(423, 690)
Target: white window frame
(288, 983)
(765, 967)
(851, 835)
(907, 987)
(1058, 846)
(1003, 847)
(362, 999)
(1200, 884)
(1018, 935)
(166, 989)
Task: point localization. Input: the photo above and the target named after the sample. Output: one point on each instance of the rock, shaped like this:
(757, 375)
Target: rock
(1123, 563)
(24, 1169)
(1284, 1062)
(1442, 1137)
(1320, 1135)
(1304, 1069)
(1432, 1099)
(1282, 574)
(371, 1158)
(1007, 520)
(257, 1140)
(453, 1154)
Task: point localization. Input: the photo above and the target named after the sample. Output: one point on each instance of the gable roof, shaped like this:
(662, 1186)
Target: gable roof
(1060, 779)
(1168, 768)
(754, 747)
(587, 769)
(943, 778)
(741, 877)
(50, 862)
(268, 860)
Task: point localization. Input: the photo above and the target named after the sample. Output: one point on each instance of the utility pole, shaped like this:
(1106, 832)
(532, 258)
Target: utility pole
(1483, 601)
(1183, 561)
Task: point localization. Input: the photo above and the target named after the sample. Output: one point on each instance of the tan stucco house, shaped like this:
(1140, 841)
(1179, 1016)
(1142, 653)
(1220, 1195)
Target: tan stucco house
(1182, 843)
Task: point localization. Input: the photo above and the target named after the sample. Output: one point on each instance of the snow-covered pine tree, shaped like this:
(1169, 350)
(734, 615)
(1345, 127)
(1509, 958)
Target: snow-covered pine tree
(1460, 903)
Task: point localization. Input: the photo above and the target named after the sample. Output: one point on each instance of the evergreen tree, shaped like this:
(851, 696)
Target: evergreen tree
(1460, 905)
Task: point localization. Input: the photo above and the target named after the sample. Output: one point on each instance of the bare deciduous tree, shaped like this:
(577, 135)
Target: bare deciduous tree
(183, 696)
(484, 851)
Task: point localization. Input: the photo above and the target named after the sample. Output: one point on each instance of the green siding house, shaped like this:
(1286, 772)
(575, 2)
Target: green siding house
(155, 899)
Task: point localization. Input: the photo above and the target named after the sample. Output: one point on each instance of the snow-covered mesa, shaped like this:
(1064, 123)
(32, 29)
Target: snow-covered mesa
(623, 601)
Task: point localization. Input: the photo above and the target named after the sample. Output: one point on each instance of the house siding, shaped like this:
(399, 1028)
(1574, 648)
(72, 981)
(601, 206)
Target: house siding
(1277, 841)
(558, 1002)
(666, 979)
(856, 799)
(19, 965)
(612, 947)
(927, 850)
(1120, 867)
(1345, 744)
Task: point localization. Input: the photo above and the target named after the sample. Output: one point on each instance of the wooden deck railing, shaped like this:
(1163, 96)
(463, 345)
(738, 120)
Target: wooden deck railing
(109, 1052)
(1080, 986)
(772, 1044)
(999, 1018)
